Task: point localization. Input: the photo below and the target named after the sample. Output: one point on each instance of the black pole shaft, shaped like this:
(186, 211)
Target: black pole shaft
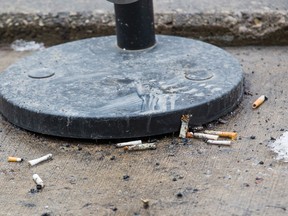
(135, 25)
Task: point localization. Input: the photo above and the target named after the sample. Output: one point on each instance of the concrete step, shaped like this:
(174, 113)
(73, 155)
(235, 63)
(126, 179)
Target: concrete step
(219, 22)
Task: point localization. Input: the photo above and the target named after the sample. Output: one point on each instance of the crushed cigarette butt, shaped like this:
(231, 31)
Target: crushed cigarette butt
(184, 126)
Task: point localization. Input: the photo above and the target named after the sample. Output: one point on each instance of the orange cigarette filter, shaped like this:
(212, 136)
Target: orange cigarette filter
(189, 135)
(14, 159)
(231, 135)
(259, 101)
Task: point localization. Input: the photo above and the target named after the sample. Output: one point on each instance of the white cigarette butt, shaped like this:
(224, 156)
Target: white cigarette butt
(205, 136)
(135, 142)
(38, 181)
(39, 160)
(184, 126)
(147, 146)
(219, 142)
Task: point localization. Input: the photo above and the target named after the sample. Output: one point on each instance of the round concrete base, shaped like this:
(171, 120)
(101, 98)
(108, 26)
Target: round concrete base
(92, 89)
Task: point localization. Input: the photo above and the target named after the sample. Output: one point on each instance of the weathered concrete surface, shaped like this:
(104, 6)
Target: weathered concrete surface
(86, 178)
(220, 22)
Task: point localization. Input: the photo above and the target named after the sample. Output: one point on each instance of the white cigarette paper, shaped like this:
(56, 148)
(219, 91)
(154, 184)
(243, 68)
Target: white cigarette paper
(39, 160)
(38, 181)
(135, 142)
(205, 136)
(219, 142)
(147, 146)
(184, 126)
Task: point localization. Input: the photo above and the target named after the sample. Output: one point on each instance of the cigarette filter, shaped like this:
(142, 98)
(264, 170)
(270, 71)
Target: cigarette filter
(184, 126)
(15, 159)
(259, 101)
(202, 136)
(39, 160)
(135, 142)
(219, 142)
(231, 135)
(147, 146)
(38, 181)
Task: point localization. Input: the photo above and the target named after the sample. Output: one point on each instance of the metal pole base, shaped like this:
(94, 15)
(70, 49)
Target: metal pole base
(92, 89)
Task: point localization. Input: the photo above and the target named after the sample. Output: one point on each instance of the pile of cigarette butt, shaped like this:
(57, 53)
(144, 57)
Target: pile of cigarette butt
(38, 181)
(136, 145)
(209, 136)
(212, 137)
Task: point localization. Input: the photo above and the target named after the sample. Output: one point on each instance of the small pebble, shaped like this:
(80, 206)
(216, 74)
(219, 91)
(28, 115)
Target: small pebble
(253, 137)
(261, 162)
(126, 177)
(179, 195)
(246, 185)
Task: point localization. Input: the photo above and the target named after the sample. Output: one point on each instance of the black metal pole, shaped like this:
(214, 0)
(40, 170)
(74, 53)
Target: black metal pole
(135, 25)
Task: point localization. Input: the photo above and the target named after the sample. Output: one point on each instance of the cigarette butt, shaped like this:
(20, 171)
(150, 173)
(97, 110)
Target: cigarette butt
(147, 146)
(38, 181)
(39, 160)
(184, 126)
(202, 136)
(15, 159)
(231, 135)
(219, 142)
(259, 101)
(135, 142)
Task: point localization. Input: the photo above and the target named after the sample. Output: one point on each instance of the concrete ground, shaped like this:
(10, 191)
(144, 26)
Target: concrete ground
(95, 178)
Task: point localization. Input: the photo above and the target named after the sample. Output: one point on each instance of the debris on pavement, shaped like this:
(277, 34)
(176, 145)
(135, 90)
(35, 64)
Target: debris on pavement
(231, 135)
(145, 203)
(38, 181)
(126, 177)
(219, 142)
(259, 101)
(130, 143)
(39, 160)
(197, 129)
(280, 147)
(140, 147)
(22, 45)
(184, 126)
(15, 159)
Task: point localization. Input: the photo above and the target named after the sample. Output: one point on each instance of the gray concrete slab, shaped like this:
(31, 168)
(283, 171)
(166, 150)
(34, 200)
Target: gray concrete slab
(220, 22)
(86, 178)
